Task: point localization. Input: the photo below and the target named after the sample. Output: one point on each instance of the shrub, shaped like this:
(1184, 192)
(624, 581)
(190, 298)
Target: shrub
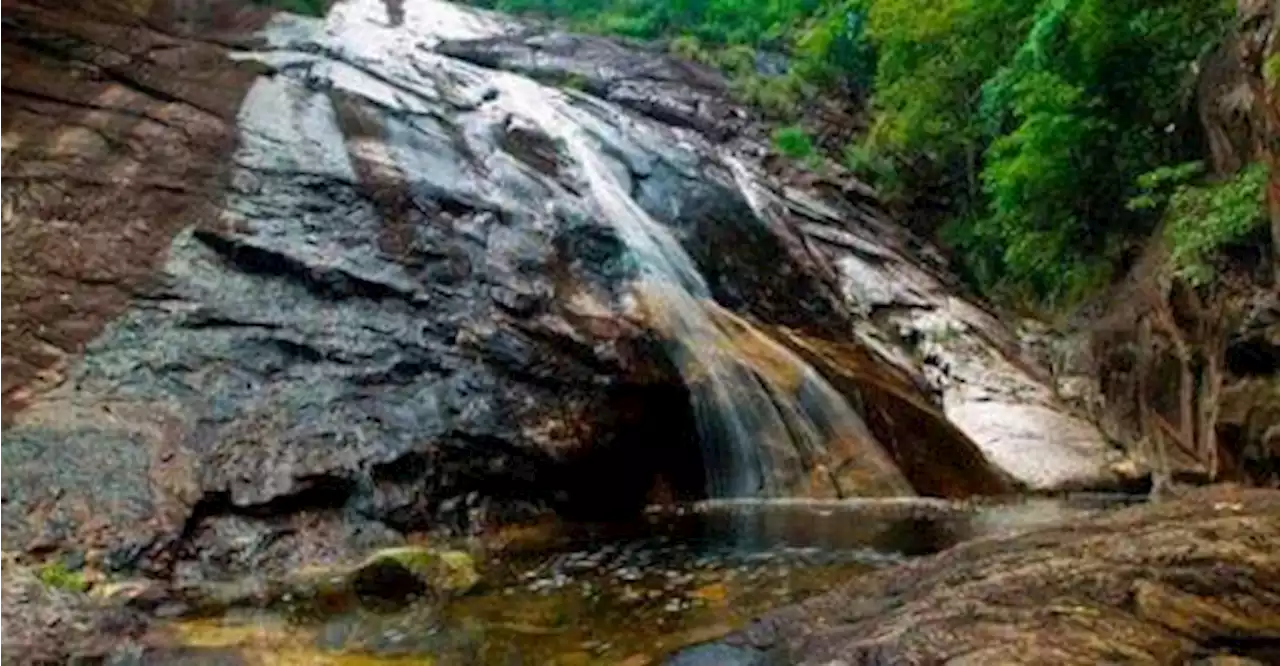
(793, 142)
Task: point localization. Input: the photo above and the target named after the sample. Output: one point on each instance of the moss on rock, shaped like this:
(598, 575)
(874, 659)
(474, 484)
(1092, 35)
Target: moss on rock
(58, 575)
(388, 577)
(443, 571)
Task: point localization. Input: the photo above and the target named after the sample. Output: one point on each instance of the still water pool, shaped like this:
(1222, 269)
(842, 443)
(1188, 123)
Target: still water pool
(582, 594)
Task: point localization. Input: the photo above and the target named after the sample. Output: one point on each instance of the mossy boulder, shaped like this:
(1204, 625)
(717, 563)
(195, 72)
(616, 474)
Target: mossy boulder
(450, 572)
(386, 578)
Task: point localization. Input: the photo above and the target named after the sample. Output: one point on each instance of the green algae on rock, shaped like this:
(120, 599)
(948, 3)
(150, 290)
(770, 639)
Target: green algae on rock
(386, 579)
(415, 568)
(446, 570)
(56, 574)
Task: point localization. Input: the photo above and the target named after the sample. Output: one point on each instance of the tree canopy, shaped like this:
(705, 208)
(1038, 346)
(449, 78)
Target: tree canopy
(1032, 121)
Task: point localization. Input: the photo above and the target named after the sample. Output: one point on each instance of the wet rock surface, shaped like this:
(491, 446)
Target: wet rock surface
(118, 125)
(1193, 579)
(855, 268)
(375, 297)
(641, 78)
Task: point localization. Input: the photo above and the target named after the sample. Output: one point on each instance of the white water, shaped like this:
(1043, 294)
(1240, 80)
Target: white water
(763, 430)
(770, 424)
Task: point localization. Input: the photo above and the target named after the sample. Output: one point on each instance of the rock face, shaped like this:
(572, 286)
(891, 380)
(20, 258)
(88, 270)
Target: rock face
(116, 137)
(338, 279)
(1173, 583)
(1195, 373)
(46, 625)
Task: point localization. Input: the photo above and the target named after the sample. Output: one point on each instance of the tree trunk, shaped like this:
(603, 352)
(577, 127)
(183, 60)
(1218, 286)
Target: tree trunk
(1186, 376)
(1269, 94)
(1210, 404)
(1148, 429)
(1273, 209)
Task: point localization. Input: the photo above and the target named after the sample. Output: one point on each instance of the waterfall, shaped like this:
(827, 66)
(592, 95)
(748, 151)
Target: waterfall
(771, 426)
(769, 423)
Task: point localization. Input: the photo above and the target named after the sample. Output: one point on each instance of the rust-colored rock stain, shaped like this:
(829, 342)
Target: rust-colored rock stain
(102, 166)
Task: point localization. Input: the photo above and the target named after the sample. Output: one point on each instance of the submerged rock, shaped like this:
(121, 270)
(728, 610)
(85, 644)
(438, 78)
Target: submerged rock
(386, 579)
(1162, 583)
(720, 654)
(445, 571)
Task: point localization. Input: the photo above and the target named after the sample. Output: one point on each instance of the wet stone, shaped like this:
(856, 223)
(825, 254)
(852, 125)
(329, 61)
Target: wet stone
(324, 308)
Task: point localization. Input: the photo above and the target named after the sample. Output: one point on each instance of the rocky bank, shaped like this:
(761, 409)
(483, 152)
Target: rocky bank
(1192, 581)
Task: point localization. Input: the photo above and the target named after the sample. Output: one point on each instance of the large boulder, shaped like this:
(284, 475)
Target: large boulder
(1188, 581)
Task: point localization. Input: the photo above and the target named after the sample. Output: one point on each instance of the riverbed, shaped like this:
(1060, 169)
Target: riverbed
(574, 594)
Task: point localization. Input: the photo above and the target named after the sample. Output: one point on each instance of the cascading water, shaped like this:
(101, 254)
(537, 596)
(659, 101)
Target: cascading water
(769, 422)
(770, 425)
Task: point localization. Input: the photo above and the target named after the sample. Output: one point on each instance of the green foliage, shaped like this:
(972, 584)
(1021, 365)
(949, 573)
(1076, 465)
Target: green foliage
(1054, 107)
(57, 575)
(1201, 219)
(832, 47)
(1027, 121)
(778, 96)
(823, 39)
(1271, 70)
(735, 60)
(1156, 185)
(874, 166)
(793, 142)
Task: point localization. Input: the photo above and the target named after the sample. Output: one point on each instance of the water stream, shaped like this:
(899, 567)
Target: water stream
(589, 594)
(770, 425)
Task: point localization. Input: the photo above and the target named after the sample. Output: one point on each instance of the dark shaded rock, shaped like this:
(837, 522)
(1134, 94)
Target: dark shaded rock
(1162, 583)
(1249, 417)
(228, 544)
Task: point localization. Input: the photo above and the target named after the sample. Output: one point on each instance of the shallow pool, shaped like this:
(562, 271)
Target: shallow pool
(582, 594)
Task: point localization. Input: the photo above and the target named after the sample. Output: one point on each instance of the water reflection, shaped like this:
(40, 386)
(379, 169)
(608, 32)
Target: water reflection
(586, 594)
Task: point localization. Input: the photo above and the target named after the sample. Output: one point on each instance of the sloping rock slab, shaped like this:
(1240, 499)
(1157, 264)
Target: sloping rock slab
(1196, 578)
(895, 288)
(115, 136)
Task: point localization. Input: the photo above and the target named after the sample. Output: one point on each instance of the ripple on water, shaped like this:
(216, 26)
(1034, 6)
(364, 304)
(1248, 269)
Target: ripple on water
(629, 594)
